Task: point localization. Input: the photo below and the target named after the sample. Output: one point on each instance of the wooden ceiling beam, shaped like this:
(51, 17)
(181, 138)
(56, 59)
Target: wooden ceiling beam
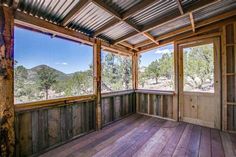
(105, 7)
(192, 21)
(180, 7)
(187, 34)
(149, 36)
(189, 28)
(130, 12)
(108, 9)
(74, 11)
(37, 24)
(157, 23)
(126, 44)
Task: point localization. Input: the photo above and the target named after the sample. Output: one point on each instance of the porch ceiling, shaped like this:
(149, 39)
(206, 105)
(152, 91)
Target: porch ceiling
(123, 21)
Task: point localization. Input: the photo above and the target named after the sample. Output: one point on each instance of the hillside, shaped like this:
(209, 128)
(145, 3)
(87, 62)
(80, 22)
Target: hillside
(32, 73)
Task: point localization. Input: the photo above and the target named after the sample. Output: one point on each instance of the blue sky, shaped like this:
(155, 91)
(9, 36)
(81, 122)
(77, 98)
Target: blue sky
(152, 55)
(33, 49)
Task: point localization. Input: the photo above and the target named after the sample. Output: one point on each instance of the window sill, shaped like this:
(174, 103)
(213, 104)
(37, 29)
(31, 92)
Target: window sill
(158, 92)
(52, 102)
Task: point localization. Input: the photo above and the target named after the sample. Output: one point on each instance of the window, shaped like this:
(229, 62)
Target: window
(156, 69)
(49, 68)
(116, 72)
(199, 68)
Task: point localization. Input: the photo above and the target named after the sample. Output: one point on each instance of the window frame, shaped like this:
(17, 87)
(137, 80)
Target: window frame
(122, 90)
(61, 100)
(174, 65)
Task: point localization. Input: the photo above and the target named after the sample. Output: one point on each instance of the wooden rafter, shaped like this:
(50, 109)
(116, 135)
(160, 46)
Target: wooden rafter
(199, 5)
(189, 28)
(105, 7)
(180, 7)
(76, 9)
(27, 21)
(150, 37)
(126, 44)
(188, 34)
(192, 21)
(132, 11)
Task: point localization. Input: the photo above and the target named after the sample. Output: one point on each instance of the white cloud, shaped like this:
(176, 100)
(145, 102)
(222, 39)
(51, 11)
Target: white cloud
(162, 51)
(63, 63)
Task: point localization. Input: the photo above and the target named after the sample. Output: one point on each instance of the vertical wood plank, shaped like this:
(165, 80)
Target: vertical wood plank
(161, 106)
(43, 129)
(35, 131)
(53, 126)
(25, 134)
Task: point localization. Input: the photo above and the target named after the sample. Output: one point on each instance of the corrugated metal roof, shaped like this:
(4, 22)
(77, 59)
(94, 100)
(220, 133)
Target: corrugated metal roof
(51, 10)
(215, 9)
(121, 5)
(119, 30)
(157, 10)
(137, 39)
(171, 26)
(90, 19)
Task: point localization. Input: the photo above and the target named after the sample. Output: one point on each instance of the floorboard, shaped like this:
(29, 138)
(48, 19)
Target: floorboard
(142, 136)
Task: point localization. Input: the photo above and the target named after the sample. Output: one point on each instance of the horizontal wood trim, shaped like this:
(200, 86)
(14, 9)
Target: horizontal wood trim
(52, 102)
(116, 93)
(157, 92)
(36, 24)
(198, 93)
(231, 103)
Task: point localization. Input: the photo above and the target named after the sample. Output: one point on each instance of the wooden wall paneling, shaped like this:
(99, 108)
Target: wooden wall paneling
(25, 134)
(76, 119)
(17, 135)
(43, 129)
(148, 103)
(151, 106)
(53, 126)
(224, 78)
(137, 98)
(117, 107)
(229, 76)
(161, 106)
(35, 131)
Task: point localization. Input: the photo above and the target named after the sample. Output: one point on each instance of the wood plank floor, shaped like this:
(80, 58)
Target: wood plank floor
(142, 136)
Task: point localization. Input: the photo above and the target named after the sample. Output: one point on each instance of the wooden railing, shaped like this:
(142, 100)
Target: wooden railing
(117, 105)
(155, 103)
(40, 126)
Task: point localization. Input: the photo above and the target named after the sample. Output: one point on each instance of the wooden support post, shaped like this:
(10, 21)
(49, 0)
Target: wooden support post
(176, 95)
(97, 82)
(7, 137)
(135, 71)
(192, 21)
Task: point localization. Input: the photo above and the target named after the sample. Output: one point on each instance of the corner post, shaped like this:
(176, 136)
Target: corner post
(97, 82)
(7, 136)
(135, 71)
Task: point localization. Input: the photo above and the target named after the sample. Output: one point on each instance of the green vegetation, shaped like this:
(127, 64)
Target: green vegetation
(198, 70)
(116, 73)
(43, 82)
(158, 74)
